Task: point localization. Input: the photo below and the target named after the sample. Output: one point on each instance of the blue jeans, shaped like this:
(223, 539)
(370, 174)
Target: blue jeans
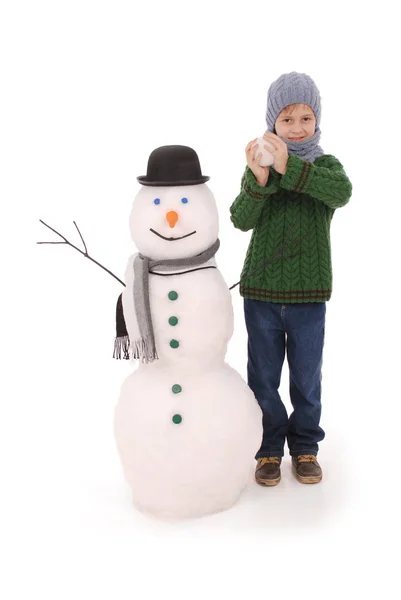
(299, 328)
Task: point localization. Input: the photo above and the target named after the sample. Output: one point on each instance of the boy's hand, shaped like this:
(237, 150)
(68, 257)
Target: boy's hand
(253, 160)
(279, 151)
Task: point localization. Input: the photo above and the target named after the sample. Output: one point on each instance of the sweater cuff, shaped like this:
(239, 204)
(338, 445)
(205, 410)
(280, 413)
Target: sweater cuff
(297, 174)
(257, 192)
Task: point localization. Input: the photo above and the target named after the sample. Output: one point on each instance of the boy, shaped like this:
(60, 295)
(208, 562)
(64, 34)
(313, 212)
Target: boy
(287, 276)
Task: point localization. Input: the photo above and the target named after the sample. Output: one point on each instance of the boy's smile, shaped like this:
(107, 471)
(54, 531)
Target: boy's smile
(296, 123)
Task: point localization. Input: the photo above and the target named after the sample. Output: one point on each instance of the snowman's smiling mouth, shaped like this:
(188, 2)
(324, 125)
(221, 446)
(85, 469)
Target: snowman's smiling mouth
(171, 239)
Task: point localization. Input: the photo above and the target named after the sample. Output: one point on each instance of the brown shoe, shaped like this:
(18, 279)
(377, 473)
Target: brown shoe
(307, 469)
(268, 470)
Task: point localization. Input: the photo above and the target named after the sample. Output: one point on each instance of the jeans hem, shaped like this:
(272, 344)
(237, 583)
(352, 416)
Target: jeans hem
(301, 452)
(279, 453)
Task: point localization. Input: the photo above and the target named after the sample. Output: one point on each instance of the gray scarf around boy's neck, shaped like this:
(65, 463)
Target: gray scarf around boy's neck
(309, 149)
(144, 348)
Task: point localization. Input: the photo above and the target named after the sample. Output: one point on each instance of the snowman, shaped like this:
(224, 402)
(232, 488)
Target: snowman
(186, 424)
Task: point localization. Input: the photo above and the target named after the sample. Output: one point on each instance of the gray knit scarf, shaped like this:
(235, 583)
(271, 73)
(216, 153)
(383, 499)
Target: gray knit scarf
(309, 149)
(144, 348)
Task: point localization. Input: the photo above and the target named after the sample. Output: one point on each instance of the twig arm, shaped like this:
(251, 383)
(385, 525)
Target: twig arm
(75, 247)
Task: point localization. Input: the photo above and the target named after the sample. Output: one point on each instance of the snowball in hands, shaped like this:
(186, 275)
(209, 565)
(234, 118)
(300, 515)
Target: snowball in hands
(267, 159)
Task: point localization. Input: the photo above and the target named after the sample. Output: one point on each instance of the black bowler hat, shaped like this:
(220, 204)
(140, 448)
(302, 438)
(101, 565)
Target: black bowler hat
(173, 166)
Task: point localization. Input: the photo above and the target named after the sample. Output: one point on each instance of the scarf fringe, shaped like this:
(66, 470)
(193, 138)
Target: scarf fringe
(141, 349)
(122, 348)
(144, 350)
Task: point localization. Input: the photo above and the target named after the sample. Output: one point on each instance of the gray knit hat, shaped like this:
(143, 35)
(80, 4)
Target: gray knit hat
(291, 88)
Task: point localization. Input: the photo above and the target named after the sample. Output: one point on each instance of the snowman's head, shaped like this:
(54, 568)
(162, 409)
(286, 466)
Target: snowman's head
(174, 221)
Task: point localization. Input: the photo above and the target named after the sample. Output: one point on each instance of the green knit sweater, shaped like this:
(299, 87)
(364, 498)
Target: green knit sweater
(290, 218)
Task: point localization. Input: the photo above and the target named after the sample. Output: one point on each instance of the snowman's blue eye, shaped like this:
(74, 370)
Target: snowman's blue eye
(156, 200)
(184, 200)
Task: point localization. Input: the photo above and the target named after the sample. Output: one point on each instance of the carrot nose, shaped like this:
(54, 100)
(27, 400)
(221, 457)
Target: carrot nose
(172, 218)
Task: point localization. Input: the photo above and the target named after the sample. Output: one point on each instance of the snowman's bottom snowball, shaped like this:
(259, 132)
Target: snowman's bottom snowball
(199, 465)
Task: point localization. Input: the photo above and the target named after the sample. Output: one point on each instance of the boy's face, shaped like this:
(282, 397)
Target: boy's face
(296, 123)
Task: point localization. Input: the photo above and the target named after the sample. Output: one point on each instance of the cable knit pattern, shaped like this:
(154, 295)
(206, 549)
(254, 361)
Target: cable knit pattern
(294, 209)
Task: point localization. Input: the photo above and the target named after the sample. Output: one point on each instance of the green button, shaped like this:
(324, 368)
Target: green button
(173, 295)
(177, 419)
(174, 343)
(176, 388)
(173, 320)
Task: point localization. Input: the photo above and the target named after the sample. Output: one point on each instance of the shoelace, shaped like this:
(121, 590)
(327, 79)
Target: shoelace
(269, 459)
(306, 458)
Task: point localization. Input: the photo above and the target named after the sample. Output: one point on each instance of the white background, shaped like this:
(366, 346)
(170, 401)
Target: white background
(88, 90)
